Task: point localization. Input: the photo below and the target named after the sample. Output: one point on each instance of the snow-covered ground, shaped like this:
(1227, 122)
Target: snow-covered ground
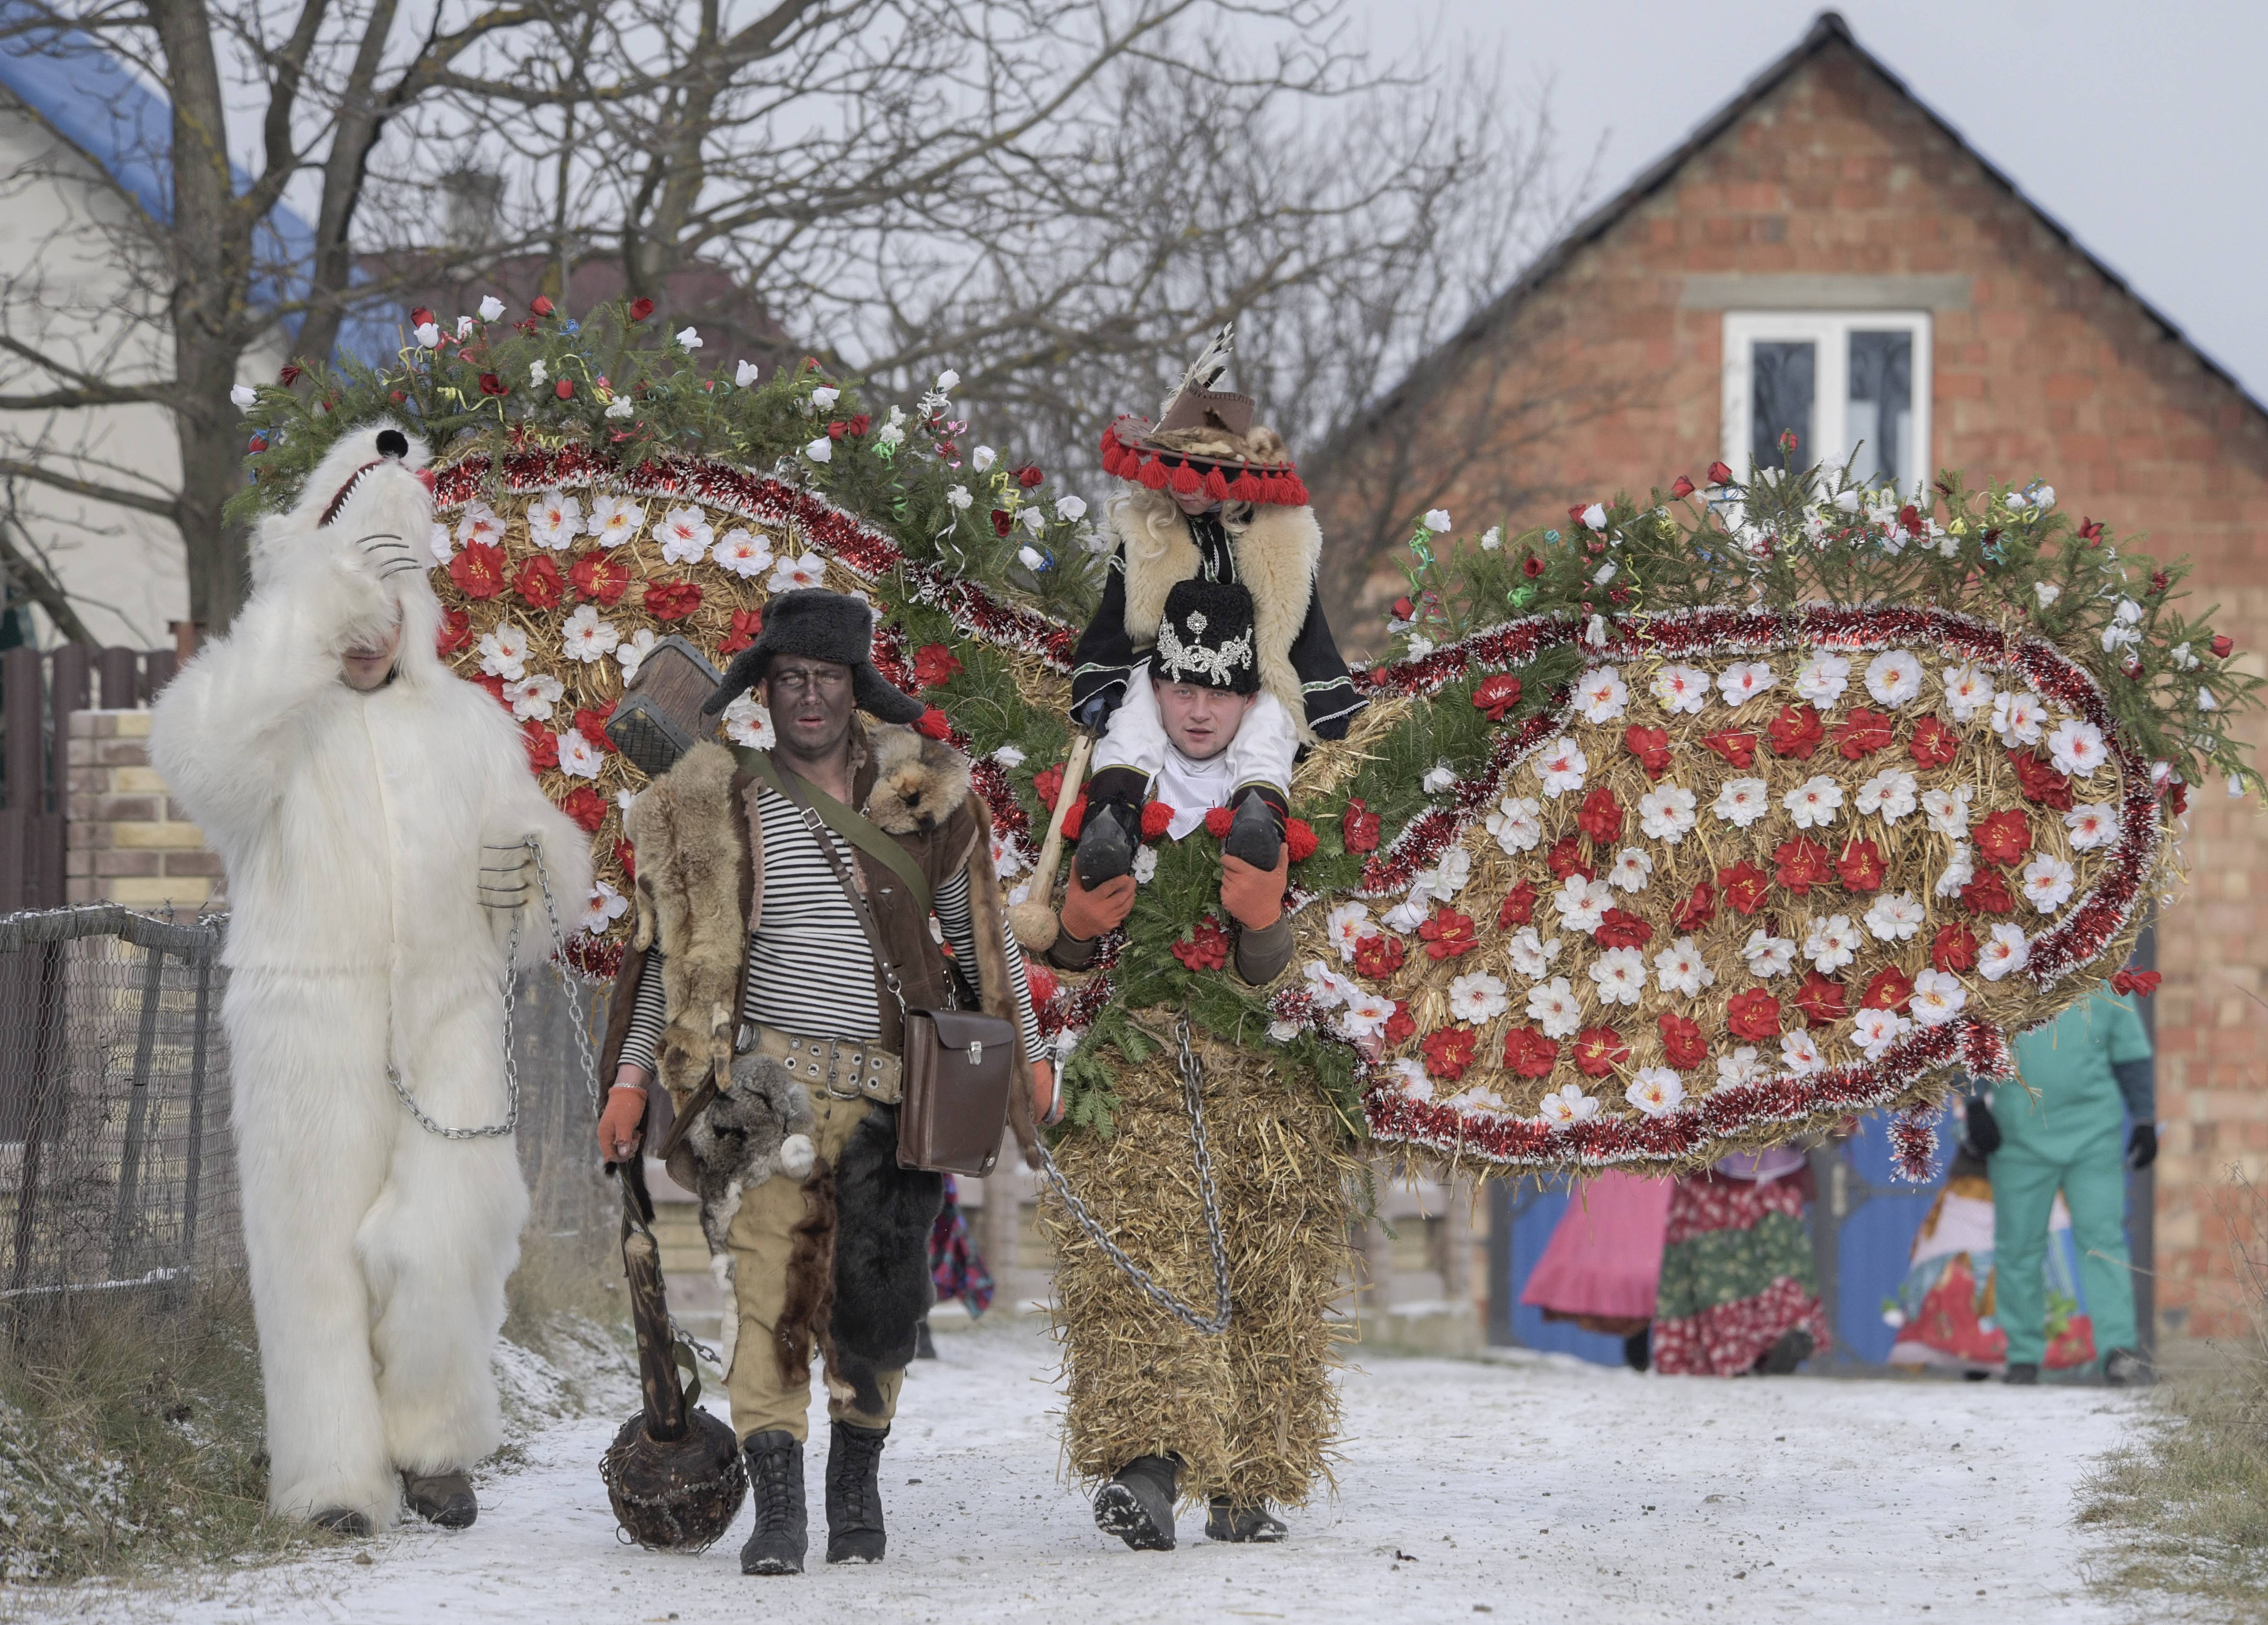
(1533, 1488)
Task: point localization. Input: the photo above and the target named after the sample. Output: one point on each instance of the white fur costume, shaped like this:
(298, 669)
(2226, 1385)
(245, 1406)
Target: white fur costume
(351, 825)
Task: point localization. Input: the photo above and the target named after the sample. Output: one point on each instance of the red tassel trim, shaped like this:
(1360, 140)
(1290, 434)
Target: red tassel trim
(1186, 481)
(1246, 487)
(1215, 487)
(1153, 474)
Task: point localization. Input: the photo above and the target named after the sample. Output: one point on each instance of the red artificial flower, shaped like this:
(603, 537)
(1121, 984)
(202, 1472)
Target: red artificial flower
(1001, 521)
(1359, 827)
(1988, 893)
(1954, 949)
(746, 624)
(538, 584)
(1601, 817)
(1736, 746)
(1796, 731)
(1861, 864)
(455, 632)
(860, 424)
(1497, 694)
(1045, 784)
(1861, 734)
(478, 570)
(494, 685)
(2090, 530)
(1528, 1054)
(1933, 744)
(1518, 907)
(2039, 782)
(1401, 1024)
(419, 317)
(671, 600)
(599, 577)
(289, 376)
(1619, 929)
(1681, 1041)
(640, 309)
(1753, 1014)
(933, 725)
(564, 389)
(626, 854)
(1565, 857)
(836, 430)
(935, 665)
(1719, 474)
(541, 306)
(1207, 948)
(1909, 520)
(2140, 983)
(2159, 582)
(1379, 956)
(1300, 838)
(1744, 886)
(1802, 863)
(543, 745)
(1219, 820)
(586, 806)
(1531, 566)
(1449, 1051)
(1682, 486)
(2004, 837)
(1029, 475)
(1157, 817)
(1042, 982)
(1698, 908)
(527, 327)
(1650, 746)
(1891, 988)
(2221, 646)
(2178, 798)
(1403, 610)
(1599, 1050)
(590, 722)
(491, 385)
(1448, 934)
(1820, 999)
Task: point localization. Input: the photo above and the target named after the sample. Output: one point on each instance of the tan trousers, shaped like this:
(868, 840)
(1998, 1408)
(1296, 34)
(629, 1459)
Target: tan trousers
(762, 1238)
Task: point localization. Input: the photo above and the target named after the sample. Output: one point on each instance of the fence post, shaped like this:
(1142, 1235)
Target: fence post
(120, 670)
(196, 1113)
(23, 774)
(47, 1038)
(138, 1113)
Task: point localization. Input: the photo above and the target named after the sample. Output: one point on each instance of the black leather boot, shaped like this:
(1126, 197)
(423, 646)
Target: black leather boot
(1242, 1525)
(854, 1494)
(443, 1498)
(1107, 839)
(1137, 1505)
(2023, 1373)
(776, 1487)
(1256, 833)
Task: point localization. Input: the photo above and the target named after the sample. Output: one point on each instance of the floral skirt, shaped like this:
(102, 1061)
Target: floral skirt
(1737, 1276)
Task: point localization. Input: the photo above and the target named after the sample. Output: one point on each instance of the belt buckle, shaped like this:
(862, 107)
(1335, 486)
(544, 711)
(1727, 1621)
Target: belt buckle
(834, 1067)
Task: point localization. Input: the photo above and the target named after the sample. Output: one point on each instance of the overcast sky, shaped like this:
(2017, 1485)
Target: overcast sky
(2142, 128)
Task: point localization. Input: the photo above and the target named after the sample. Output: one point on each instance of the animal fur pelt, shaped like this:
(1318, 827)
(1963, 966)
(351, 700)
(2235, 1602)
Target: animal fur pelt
(809, 1302)
(918, 781)
(760, 1127)
(882, 1282)
(692, 869)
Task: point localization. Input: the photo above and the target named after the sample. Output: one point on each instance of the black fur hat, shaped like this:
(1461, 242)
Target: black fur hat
(819, 625)
(1205, 637)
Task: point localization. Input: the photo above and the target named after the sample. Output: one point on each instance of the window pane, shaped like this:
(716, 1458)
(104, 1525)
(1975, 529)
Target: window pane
(1781, 389)
(1881, 421)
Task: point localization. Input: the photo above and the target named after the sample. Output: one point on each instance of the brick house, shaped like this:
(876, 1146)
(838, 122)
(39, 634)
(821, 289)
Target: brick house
(1827, 254)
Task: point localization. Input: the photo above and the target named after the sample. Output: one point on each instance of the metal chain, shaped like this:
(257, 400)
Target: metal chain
(1192, 1085)
(511, 999)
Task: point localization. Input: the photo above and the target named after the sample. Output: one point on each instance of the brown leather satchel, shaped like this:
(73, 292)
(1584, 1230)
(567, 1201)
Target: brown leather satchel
(957, 1065)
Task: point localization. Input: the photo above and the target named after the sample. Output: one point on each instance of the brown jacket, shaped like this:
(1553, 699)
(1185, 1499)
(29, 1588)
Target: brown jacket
(699, 851)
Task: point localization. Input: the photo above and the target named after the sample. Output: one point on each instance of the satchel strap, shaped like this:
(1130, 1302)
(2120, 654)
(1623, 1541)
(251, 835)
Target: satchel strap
(844, 820)
(795, 789)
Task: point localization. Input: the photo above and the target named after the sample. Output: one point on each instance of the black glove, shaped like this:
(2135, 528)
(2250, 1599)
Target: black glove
(1984, 1134)
(2142, 1146)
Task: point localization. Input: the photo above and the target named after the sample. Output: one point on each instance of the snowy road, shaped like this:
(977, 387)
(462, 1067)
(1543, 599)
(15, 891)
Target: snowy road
(1539, 1491)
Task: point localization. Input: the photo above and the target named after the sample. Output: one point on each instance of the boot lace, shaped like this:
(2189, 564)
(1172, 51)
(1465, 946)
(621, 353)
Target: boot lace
(769, 1472)
(861, 1451)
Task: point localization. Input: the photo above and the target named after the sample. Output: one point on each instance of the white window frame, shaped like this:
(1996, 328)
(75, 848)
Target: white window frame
(1829, 332)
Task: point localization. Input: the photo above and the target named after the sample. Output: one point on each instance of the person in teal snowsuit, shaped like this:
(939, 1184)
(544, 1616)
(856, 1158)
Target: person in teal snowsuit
(2086, 1071)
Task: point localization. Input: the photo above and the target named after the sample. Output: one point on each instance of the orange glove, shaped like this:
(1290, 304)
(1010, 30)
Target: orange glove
(622, 1123)
(1254, 897)
(1047, 1103)
(1087, 914)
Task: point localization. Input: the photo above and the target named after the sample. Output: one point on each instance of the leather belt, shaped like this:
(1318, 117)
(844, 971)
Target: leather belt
(844, 1068)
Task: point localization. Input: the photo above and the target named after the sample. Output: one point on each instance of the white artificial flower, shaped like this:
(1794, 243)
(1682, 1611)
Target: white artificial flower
(1347, 925)
(538, 374)
(1742, 801)
(1938, 996)
(554, 520)
(426, 334)
(1875, 1031)
(1666, 813)
(1144, 872)
(1071, 508)
(1034, 518)
(1741, 1067)
(1894, 677)
(1410, 1073)
(1596, 517)
(1814, 803)
(1365, 1014)
(689, 337)
(825, 397)
(1554, 1006)
(743, 553)
(1438, 778)
(1447, 878)
(633, 649)
(1947, 810)
(1420, 647)
(613, 520)
(1493, 538)
(1768, 956)
(1406, 915)
(2042, 497)
(1960, 869)
(1031, 559)
(1744, 681)
(1894, 916)
(2206, 702)
(1682, 967)
(686, 535)
(1326, 988)
(491, 307)
(1531, 956)
(982, 458)
(621, 406)
(1832, 944)
(1006, 859)
(1477, 998)
(2076, 747)
(504, 652)
(479, 522)
(1561, 765)
(623, 798)
(2017, 717)
(1569, 1104)
(579, 758)
(2092, 824)
(821, 450)
(1582, 904)
(1620, 974)
(745, 374)
(244, 397)
(1655, 1091)
(441, 543)
(1890, 793)
(959, 497)
(750, 723)
(583, 636)
(1009, 756)
(1798, 1053)
(1516, 824)
(2047, 591)
(788, 575)
(532, 698)
(1968, 690)
(2125, 628)
(1681, 689)
(1437, 519)
(1601, 696)
(2184, 658)
(948, 381)
(1632, 868)
(1823, 680)
(1285, 1031)
(604, 906)
(2048, 882)
(2002, 952)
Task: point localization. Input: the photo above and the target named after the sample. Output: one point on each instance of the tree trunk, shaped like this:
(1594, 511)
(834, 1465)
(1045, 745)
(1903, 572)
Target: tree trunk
(212, 471)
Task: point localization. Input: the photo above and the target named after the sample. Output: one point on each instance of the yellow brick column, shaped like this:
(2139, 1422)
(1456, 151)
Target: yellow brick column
(128, 841)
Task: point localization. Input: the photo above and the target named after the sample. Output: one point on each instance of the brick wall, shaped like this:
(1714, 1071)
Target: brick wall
(128, 840)
(1607, 378)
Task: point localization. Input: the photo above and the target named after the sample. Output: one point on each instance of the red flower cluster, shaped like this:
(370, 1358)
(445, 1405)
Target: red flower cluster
(1379, 956)
(2004, 837)
(640, 309)
(1046, 784)
(1565, 857)
(586, 806)
(746, 624)
(1599, 1051)
(1682, 1041)
(2039, 782)
(934, 725)
(1735, 745)
(590, 722)
(1933, 744)
(478, 570)
(1752, 1014)
(1497, 694)
(1359, 827)
(626, 854)
(1650, 746)
(1955, 948)
(1401, 1024)
(1695, 912)
(1601, 817)
(1448, 935)
(543, 745)
(1988, 893)
(1820, 999)
(1802, 865)
(1745, 887)
(1620, 930)
(1528, 1054)
(1449, 1051)
(1861, 864)
(671, 600)
(2142, 984)
(1890, 988)
(538, 584)
(1861, 734)
(1519, 906)
(1796, 731)
(598, 575)
(1207, 948)
(454, 633)
(935, 665)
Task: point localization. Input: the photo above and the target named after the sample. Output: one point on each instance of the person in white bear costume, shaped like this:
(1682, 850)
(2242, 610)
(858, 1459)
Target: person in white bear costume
(371, 809)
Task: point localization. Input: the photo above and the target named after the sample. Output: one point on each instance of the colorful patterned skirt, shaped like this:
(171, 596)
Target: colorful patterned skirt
(954, 1263)
(1737, 1276)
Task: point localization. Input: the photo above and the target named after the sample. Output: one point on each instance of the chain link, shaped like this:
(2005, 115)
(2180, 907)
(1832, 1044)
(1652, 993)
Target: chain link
(1192, 1087)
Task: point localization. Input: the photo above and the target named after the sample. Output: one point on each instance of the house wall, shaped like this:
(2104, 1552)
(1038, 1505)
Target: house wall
(1837, 190)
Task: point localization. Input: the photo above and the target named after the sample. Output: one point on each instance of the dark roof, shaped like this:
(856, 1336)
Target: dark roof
(1827, 29)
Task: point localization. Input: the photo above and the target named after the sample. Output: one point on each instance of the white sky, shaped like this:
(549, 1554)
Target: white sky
(2143, 130)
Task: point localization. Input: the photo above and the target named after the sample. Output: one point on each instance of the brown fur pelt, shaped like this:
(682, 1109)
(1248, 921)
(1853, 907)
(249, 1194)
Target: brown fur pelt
(1252, 1413)
(1256, 444)
(918, 781)
(690, 886)
(809, 1306)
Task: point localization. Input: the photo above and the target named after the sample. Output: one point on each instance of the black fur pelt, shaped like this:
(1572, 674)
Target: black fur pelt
(882, 1284)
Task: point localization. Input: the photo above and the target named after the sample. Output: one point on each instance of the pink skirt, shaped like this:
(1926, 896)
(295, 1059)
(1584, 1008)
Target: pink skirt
(1604, 1260)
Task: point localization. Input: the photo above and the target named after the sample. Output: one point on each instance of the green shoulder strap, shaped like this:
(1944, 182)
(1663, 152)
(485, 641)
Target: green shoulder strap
(853, 826)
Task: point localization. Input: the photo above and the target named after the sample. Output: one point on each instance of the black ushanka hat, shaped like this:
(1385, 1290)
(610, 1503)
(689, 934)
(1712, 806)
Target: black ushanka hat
(818, 625)
(1205, 637)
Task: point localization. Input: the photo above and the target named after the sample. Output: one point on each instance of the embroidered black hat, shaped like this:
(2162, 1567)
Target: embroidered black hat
(1205, 637)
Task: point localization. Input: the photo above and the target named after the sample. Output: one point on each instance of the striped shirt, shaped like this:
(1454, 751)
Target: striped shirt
(810, 970)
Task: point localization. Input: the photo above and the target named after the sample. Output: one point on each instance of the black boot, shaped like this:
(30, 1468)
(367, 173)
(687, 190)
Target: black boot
(1254, 1524)
(443, 1498)
(1781, 1359)
(342, 1521)
(854, 1494)
(1256, 833)
(2023, 1373)
(776, 1486)
(1107, 839)
(2125, 1368)
(1137, 1505)
(1638, 1348)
